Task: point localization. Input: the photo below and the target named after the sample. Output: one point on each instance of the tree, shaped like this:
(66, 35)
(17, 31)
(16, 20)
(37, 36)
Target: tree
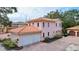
(53, 14)
(68, 17)
(4, 20)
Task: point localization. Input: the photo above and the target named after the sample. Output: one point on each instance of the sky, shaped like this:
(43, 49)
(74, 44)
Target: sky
(28, 13)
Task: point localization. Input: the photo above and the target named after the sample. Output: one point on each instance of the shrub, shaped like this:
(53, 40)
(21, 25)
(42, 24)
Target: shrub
(48, 40)
(9, 44)
(65, 34)
(57, 37)
(1, 40)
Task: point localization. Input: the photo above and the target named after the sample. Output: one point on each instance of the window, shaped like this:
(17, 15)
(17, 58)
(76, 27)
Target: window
(32, 23)
(48, 33)
(56, 24)
(38, 24)
(43, 35)
(43, 24)
(48, 24)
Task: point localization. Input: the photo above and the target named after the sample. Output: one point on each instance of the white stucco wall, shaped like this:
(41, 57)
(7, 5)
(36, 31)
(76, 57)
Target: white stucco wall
(51, 29)
(27, 39)
(14, 36)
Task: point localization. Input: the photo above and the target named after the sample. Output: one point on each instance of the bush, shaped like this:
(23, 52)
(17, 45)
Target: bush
(57, 37)
(48, 40)
(9, 44)
(65, 32)
(1, 40)
(66, 35)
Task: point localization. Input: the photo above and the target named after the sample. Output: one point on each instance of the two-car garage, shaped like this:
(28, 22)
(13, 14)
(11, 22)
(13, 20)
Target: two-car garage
(26, 35)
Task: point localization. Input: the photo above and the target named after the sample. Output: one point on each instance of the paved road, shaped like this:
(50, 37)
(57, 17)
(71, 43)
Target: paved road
(58, 45)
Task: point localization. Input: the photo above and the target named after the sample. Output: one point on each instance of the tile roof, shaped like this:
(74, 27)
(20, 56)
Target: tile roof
(74, 28)
(25, 30)
(41, 19)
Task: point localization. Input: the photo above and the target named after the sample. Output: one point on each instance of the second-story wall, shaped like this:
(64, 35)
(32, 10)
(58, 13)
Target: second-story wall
(49, 29)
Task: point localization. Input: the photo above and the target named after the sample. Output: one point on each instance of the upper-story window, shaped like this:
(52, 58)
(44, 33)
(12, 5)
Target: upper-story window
(43, 24)
(48, 24)
(56, 24)
(43, 34)
(32, 23)
(38, 24)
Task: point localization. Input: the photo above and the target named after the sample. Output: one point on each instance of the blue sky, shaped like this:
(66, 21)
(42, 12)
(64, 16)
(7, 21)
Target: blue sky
(26, 13)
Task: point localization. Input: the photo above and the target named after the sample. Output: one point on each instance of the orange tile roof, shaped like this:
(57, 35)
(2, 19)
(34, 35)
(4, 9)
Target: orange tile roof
(25, 30)
(41, 19)
(74, 28)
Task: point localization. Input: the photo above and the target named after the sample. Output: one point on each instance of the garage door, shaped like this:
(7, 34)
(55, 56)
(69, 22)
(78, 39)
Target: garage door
(77, 33)
(29, 39)
(72, 33)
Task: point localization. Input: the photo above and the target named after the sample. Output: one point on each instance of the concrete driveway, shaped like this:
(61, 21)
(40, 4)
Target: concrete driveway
(2, 48)
(58, 45)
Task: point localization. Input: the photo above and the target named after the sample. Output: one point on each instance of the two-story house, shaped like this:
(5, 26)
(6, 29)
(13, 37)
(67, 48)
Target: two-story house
(36, 30)
(49, 27)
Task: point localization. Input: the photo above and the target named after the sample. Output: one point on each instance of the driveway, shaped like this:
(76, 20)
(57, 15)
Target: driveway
(2, 48)
(58, 45)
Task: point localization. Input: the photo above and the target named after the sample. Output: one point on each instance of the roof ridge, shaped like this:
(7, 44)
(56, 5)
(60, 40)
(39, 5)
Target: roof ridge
(40, 19)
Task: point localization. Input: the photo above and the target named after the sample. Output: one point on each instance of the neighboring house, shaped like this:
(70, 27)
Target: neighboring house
(73, 31)
(50, 27)
(26, 35)
(15, 25)
(18, 24)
